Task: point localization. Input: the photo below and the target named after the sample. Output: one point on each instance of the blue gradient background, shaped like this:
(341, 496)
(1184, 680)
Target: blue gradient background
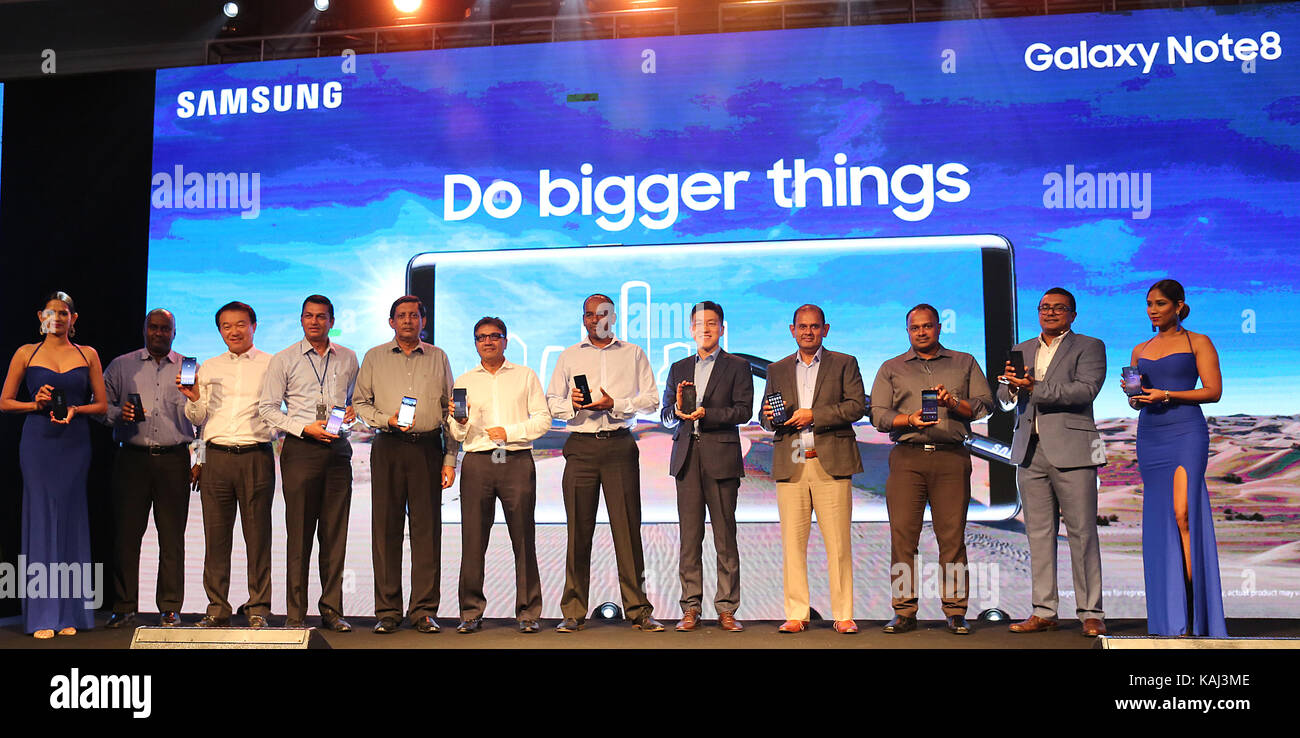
(349, 195)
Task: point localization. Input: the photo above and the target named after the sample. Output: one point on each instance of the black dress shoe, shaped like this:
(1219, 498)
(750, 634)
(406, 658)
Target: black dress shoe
(210, 621)
(338, 625)
(292, 623)
(256, 621)
(119, 619)
(169, 618)
(957, 625)
(387, 625)
(570, 625)
(470, 626)
(529, 626)
(648, 624)
(427, 624)
(900, 624)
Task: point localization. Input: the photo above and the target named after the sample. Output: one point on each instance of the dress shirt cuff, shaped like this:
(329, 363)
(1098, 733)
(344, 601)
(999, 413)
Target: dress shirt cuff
(296, 428)
(449, 460)
(516, 432)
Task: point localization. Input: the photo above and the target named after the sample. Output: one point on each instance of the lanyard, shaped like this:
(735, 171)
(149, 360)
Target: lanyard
(321, 375)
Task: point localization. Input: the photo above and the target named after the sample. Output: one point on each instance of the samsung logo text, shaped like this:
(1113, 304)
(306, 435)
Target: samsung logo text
(260, 99)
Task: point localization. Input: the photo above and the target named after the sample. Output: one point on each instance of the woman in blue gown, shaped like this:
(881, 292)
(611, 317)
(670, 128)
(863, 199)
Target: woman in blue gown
(1179, 554)
(54, 456)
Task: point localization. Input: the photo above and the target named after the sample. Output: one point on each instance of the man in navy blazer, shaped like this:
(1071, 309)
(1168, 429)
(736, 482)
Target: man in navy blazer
(1057, 450)
(706, 462)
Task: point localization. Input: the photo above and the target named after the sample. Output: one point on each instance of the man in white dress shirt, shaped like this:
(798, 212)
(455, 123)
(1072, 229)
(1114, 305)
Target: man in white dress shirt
(309, 379)
(601, 452)
(238, 468)
(505, 411)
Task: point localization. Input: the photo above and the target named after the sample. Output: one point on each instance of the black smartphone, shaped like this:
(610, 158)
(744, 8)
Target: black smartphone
(59, 403)
(689, 400)
(580, 381)
(644, 275)
(406, 413)
(777, 403)
(136, 406)
(460, 396)
(1017, 359)
(929, 405)
(335, 422)
(189, 367)
(1132, 380)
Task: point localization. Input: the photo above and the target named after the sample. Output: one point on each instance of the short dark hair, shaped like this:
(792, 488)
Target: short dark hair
(821, 316)
(319, 300)
(1063, 293)
(922, 306)
(160, 311)
(392, 311)
(707, 305)
(236, 305)
(489, 320)
(601, 295)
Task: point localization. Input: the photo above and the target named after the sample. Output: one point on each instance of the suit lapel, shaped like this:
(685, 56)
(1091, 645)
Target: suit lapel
(720, 369)
(823, 368)
(1059, 357)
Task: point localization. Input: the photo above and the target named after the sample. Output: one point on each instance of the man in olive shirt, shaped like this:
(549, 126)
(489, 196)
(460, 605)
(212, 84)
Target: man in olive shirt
(928, 462)
(410, 465)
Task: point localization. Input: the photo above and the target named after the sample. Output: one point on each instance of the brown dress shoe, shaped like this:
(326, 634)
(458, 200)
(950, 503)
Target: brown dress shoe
(1093, 627)
(727, 621)
(793, 626)
(690, 621)
(1034, 624)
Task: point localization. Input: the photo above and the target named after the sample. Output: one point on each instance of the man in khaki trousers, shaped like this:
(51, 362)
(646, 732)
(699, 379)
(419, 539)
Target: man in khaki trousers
(814, 455)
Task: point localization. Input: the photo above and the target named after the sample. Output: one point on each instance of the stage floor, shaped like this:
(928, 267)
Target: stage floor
(501, 634)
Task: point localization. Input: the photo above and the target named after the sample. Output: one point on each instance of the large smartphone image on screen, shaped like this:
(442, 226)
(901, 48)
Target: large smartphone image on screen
(865, 286)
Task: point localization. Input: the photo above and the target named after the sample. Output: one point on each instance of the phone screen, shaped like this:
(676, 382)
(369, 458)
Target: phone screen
(406, 413)
(929, 405)
(189, 365)
(1017, 359)
(1132, 380)
(580, 382)
(777, 403)
(459, 396)
(335, 422)
(652, 306)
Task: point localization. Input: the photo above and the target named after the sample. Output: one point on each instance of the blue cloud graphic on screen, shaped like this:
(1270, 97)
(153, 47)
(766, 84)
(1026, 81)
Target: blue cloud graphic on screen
(1197, 163)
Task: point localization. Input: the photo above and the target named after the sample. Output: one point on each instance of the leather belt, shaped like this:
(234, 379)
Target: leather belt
(156, 450)
(616, 433)
(932, 446)
(421, 437)
(246, 449)
(509, 451)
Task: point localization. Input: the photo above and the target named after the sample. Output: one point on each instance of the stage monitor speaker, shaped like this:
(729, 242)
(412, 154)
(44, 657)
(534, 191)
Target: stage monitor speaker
(155, 637)
(1174, 642)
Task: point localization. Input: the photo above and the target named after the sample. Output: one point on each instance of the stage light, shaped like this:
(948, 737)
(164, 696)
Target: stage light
(994, 615)
(321, 5)
(406, 6)
(609, 611)
(230, 9)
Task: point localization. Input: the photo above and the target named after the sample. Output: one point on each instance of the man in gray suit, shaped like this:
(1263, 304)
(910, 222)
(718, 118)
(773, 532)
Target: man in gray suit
(1058, 450)
(706, 462)
(814, 456)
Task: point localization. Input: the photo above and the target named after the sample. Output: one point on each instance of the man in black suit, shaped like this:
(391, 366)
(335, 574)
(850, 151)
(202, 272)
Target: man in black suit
(706, 462)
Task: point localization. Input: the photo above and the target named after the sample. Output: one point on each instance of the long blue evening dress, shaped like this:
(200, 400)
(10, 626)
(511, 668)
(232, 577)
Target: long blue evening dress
(1170, 436)
(55, 461)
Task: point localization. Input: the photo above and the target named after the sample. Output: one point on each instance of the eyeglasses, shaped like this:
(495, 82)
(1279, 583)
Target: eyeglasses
(1053, 309)
(481, 337)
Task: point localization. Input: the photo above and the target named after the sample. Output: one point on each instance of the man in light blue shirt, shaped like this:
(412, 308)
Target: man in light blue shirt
(303, 384)
(152, 469)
